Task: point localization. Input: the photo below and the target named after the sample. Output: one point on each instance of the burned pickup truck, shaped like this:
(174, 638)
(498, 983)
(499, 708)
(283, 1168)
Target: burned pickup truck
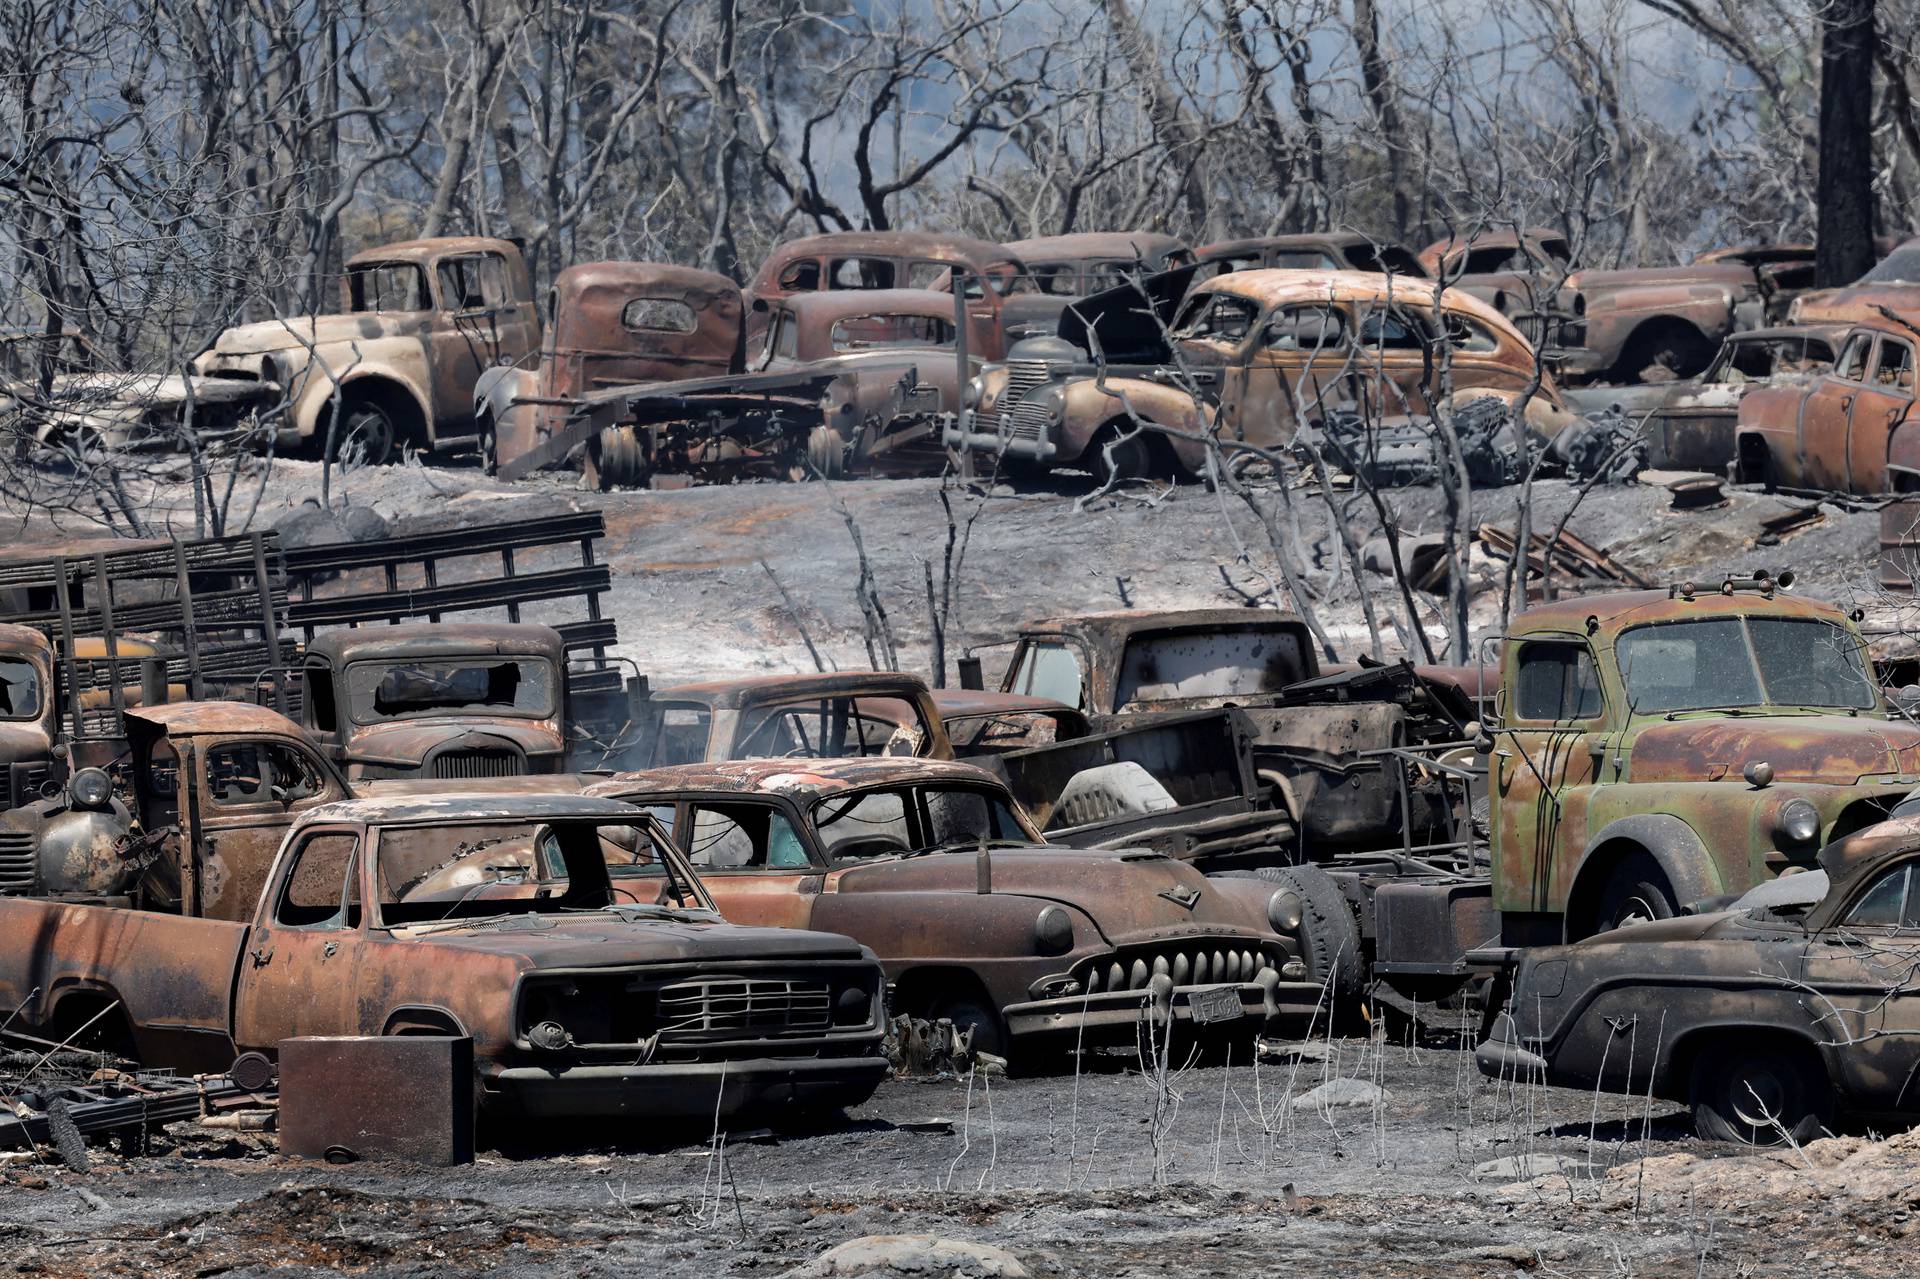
(933, 866)
(580, 1000)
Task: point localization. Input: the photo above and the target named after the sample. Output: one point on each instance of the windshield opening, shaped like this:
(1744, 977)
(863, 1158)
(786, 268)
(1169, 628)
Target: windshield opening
(1744, 661)
(520, 686)
(19, 689)
(889, 821)
(1235, 662)
(825, 728)
(387, 286)
(481, 869)
(873, 332)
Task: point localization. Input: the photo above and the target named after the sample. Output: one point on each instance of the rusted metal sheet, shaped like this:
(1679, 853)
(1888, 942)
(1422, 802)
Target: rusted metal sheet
(1849, 431)
(1585, 567)
(404, 1099)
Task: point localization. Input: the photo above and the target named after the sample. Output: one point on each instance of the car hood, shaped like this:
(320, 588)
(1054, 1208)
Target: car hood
(1835, 749)
(1678, 928)
(300, 330)
(1855, 303)
(615, 939)
(408, 741)
(1128, 893)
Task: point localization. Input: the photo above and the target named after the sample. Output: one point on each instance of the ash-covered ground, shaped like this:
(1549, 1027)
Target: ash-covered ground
(1428, 1169)
(699, 573)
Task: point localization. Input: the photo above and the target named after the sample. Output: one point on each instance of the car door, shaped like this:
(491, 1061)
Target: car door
(250, 790)
(1543, 762)
(1824, 418)
(753, 858)
(1300, 367)
(1881, 403)
(1395, 366)
(1861, 973)
(298, 975)
(479, 320)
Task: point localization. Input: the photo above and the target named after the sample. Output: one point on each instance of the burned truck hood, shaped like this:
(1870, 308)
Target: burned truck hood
(609, 939)
(301, 330)
(1128, 893)
(1834, 749)
(409, 741)
(1131, 320)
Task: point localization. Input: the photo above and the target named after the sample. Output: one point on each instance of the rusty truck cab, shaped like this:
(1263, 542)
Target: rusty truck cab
(438, 699)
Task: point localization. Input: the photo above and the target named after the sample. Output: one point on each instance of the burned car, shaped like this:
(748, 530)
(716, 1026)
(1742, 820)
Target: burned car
(935, 868)
(580, 998)
(1892, 284)
(1849, 430)
(1689, 425)
(438, 699)
(610, 324)
(1248, 357)
(418, 322)
(1770, 1018)
(1518, 273)
(57, 389)
(832, 715)
(1332, 251)
(849, 260)
(1062, 268)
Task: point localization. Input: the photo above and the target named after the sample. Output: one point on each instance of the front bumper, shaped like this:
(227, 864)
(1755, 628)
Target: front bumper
(1111, 1016)
(960, 432)
(1502, 1057)
(677, 1090)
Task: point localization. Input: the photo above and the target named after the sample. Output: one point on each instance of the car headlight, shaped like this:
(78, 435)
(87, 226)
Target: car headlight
(1798, 822)
(90, 788)
(971, 393)
(1053, 931)
(1055, 398)
(1283, 911)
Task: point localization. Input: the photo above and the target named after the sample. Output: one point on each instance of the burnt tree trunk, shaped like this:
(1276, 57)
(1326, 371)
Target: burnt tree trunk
(1844, 237)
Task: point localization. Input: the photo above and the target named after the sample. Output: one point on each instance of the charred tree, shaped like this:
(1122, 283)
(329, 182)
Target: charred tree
(1844, 185)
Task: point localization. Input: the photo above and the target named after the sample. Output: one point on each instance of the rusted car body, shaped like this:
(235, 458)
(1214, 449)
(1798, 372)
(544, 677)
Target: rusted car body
(1893, 284)
(1321, 763)
(579, 1000)
(1660, 323)
(1332, 251)
(59, 390)
(1689, 425)
(610, 324)
(1517, 273)
(1657, 748)
(438, 699)
(890, 260)
(933, 866)
(825, 716)
(1061, 268)
(1272, 349)
(1770, 1020)
(1849, 431)
(418, 323)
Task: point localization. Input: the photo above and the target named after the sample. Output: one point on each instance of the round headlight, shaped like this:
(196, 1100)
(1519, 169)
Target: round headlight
(90, 788)
(1053, 931)
(1283, 911)
(550, 1036)
(970, 394)
(1799, 821)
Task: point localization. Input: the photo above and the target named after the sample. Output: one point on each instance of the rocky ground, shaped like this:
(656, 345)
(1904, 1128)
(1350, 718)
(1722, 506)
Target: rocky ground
(1345, 1158)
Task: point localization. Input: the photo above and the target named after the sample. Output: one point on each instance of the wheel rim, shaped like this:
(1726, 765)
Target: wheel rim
(1759, 1096)
(373, 432)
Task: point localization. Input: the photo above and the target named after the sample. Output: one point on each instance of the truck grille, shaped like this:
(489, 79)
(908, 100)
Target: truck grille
(479, 763)
(22, 784)
(1196, 963)
(16, 862)
(1022, 418)
(732, 1007)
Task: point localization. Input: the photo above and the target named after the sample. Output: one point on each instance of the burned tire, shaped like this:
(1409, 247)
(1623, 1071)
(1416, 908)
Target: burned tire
(1761, 1093)
(622, 460)
(1636, 892)
(370, 430)
(1117, 455)
(1677, 348)
(989, 1032)
(1329, 934)
(826, 454)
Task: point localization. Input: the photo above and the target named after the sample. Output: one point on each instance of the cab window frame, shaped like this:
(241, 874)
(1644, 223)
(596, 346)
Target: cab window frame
(1584, 652)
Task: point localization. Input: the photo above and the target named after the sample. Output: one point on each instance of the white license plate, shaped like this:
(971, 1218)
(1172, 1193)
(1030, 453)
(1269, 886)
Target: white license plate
(1215, 1004)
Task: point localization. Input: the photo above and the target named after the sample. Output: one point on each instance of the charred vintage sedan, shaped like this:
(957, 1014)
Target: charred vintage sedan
(933, 866)
(1850, 430)
(1798, 1004)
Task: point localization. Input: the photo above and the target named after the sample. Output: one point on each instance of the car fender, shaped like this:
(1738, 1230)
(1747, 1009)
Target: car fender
(1771, 416)
(497, 395)
(1682, 855)
(397, 360)
(1091, 403)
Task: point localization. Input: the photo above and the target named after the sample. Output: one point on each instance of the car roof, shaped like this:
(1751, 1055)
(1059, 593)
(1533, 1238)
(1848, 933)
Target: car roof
(1622, 608)
(426, 639)
(472, 806)
(788, 776)
(1120, 621)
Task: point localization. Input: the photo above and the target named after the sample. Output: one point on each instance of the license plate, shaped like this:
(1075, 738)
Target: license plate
(1216, 1004)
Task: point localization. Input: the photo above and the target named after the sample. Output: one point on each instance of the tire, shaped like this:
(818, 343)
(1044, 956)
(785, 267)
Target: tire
(1734, 1086)
(1636, 891)
(489, 446)
(621, 460)
(372, 428)
(1329, 934)
(1678, 347)
(989, 1032)
(826, 454)
(1115, 456)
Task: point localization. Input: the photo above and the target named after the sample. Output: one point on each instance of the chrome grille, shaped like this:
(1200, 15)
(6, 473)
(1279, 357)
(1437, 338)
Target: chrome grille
(1024, 376)
(1195, 963)
(16, 862)
(479, 763)
(730, 1007)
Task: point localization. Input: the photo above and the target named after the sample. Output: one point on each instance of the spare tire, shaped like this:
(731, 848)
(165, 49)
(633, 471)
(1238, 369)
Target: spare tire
(1329, 934)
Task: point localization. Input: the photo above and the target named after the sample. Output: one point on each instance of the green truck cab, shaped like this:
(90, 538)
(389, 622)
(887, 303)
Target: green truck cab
(1654, 749)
